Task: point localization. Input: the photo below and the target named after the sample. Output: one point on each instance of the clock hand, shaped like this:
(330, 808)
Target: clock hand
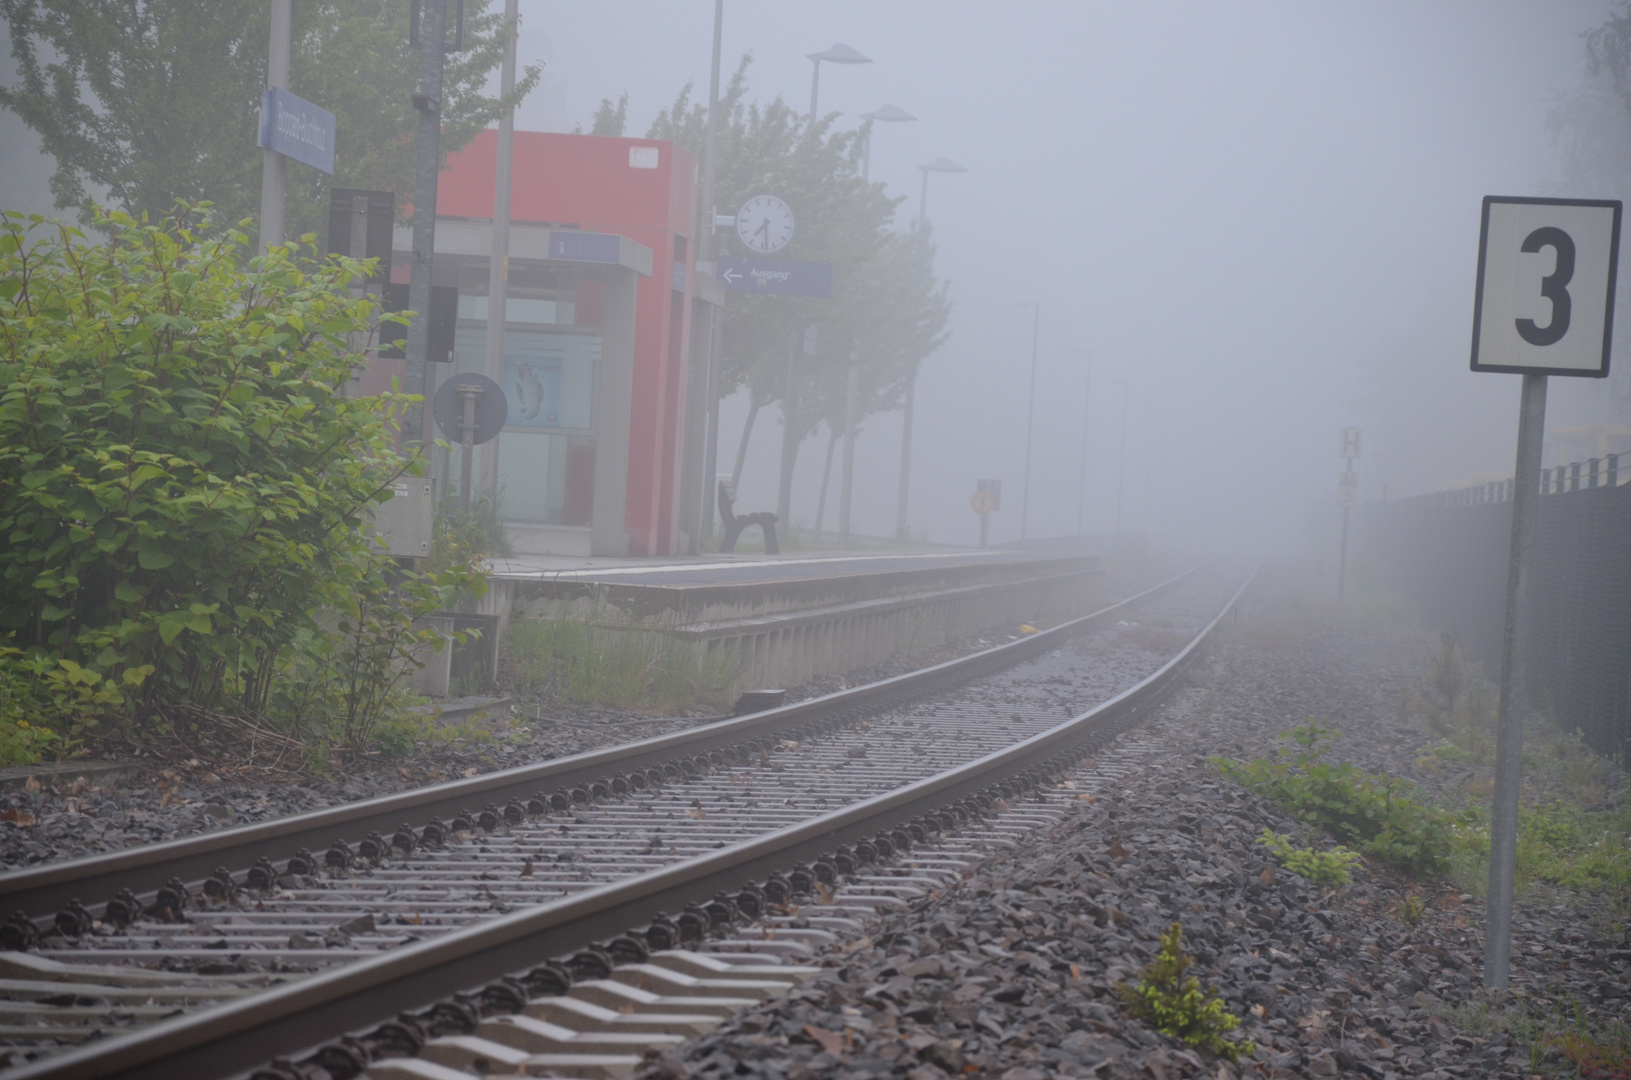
(764, 227)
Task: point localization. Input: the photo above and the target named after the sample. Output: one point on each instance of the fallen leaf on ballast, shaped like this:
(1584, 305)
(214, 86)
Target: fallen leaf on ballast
(20, 817)
(1116, 851)
(830, 1041)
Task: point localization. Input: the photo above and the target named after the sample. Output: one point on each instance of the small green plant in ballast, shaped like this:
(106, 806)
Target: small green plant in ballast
(1321, 867)
(1174, 1003)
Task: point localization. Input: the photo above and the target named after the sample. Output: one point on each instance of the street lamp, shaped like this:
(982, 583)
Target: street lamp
(1087, 417)
(1030, 415)
(890, 114)
(838, 54)
(1121, 462)
(940, 165)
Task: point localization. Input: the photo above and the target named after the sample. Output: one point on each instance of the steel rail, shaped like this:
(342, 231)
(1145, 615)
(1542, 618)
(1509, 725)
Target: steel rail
(286, 1021)
(43, 890)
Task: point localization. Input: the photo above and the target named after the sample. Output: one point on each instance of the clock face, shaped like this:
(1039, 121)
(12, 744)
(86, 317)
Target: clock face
(764, 224)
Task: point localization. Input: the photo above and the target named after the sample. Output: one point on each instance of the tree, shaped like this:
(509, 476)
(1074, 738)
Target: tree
(159, 100)
(888, 311)
(1591, 129)
(184, 478)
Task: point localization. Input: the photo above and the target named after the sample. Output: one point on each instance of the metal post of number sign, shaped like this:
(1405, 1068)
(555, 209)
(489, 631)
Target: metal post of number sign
(1544, 305)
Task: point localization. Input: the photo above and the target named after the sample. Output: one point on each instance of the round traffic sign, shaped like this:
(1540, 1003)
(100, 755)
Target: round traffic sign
(983, 502)
(491, 408)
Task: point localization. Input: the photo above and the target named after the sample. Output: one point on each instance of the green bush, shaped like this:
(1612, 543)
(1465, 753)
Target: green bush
(184, 478)
(1321, 867)
(1174, 1002)
(1376, 813)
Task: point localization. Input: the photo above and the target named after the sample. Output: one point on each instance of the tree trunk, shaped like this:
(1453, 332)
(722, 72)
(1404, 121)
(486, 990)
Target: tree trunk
(742, 447)
(826, 471)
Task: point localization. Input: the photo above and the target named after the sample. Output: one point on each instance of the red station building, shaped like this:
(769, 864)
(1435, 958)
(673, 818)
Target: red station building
(602, 453)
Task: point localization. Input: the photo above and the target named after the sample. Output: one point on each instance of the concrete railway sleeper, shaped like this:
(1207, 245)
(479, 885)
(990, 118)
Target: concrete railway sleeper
(452, 901)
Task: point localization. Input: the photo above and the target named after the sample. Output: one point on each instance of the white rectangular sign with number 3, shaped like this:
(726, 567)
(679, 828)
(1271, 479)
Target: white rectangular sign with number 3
(1545, 302)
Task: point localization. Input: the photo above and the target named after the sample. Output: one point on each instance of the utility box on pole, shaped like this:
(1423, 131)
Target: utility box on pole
(407, 520)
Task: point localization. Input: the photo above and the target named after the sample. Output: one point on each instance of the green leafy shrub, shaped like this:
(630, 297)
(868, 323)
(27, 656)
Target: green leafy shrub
(185, 478)
(1376, 813)
(1174, 1003)
(1321, 867)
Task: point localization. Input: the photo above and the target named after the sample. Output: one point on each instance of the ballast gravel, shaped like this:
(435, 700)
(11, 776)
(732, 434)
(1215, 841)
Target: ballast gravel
(52, 822)
(1010, 973)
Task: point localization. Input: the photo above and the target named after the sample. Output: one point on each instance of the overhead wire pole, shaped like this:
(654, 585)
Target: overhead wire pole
(1030, 420)
(1121, 465)
(428, 101)
(901, 531)
(498, 267)
(707, 263)
(1087, 414)
(272, 162)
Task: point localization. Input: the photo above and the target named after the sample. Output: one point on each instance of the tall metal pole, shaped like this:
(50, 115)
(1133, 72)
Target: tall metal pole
(1121, 465)
(852, 392)
(498, 267)
(1503, 829)
(1030, 419)
(815, 84)
(428, 100)
(1342, 559)
(272, 162)
(706, 259)
(1087, 413)
(901, 532)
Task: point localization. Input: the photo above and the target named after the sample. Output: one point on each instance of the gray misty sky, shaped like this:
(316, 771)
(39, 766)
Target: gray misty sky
(1263, 217)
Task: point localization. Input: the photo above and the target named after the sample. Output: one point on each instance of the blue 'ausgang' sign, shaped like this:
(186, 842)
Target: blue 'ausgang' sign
(297, 129)
(776, 277)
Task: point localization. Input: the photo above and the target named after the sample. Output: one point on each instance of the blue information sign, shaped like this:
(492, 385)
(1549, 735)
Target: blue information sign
(586, 247)
(297, 129)
(775, 277)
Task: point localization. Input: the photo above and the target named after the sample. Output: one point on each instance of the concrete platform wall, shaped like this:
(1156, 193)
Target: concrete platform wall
(786, 632)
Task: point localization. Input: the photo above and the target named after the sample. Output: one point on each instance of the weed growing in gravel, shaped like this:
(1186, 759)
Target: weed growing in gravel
(1411, 909)
(1555, 1029)
(1321, 867)
(1176, 1004)
(1378, 813)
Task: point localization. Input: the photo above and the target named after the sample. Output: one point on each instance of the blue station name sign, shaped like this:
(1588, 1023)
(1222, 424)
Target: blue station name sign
(297, 129)
(775, 277)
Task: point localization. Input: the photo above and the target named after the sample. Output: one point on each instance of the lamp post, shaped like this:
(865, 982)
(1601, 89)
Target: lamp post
(1030, 416)
(706, 264)
(940, 165)
(891, 114)
(1087, 414)
(838, 54)
(499, 261)
(272, 170)
(1121, 457)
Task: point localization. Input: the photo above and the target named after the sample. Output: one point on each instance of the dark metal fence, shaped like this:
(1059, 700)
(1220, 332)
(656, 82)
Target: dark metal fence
(1448, 553)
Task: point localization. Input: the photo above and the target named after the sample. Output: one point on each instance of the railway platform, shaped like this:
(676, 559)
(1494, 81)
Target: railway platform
(798, 615)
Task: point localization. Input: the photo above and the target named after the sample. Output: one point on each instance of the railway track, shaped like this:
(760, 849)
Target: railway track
(278, 956)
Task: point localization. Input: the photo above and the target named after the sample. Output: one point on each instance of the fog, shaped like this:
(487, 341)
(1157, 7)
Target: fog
(1261, 219)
